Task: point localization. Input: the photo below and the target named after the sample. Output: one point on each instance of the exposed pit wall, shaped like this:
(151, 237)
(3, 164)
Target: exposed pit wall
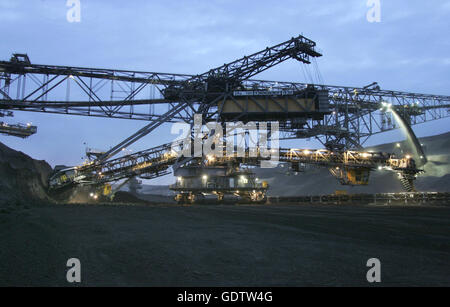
(23, 179)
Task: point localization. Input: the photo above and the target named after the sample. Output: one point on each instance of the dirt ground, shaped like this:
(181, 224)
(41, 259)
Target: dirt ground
(262, 245)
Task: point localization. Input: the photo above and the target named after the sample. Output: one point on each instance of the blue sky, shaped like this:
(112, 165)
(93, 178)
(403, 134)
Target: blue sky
(408, 50)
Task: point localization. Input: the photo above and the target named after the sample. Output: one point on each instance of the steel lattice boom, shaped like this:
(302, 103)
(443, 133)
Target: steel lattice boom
(156, 161)
(336, 115)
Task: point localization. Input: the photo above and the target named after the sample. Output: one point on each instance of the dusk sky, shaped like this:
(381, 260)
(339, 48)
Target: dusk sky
(409, 50)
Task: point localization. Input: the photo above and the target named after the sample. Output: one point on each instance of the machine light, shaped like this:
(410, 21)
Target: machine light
(386, 106)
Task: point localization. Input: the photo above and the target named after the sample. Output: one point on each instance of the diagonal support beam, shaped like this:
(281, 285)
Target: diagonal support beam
(143, 132)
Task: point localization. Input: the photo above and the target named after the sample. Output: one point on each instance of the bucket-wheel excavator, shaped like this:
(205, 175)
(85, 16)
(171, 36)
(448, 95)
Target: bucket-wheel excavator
(341, 118)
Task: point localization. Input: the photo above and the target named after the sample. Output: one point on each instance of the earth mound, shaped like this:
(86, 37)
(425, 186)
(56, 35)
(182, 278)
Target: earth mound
(22, 179)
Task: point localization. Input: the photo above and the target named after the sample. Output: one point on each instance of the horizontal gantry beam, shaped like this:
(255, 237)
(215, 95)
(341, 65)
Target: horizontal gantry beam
(354, 112)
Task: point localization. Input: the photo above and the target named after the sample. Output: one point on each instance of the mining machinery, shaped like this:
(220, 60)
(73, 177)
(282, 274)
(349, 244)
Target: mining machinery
(19, 130)
(231, 174)
(341, 118)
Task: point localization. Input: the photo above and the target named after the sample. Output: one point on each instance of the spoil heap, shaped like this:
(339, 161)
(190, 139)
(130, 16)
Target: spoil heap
(22, 179)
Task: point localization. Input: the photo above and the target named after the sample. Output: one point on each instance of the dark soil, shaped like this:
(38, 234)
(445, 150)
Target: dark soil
(260, 245)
